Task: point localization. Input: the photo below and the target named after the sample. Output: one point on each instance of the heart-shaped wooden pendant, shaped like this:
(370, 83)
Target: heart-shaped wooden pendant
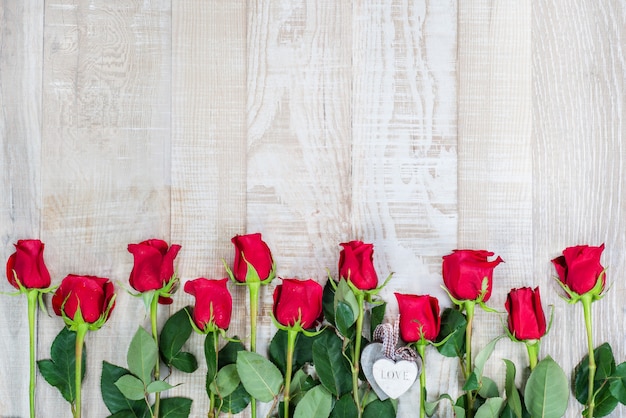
(370, 354)
(394, 378)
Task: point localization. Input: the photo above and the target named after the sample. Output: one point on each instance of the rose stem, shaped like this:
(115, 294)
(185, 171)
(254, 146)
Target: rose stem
(357, 353)
(586, 300)
(214, 335)
(154, 304)
(291, 345)
(469, 309)
(32, 308)
(254, 311)
(533, 353)
(81, 331)
(421, 350)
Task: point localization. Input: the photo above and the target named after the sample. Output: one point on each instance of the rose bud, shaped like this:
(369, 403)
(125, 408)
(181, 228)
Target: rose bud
(298, 300)
(464, 272)
(153, 266)
(419, 317)
(27, 263)
(526, 318)
(94, 296)
(579, 268)
(214, 304)
(252, 249)
(356, 264)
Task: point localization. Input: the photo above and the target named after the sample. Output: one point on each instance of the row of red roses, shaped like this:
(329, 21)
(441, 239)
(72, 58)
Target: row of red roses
(297, 301)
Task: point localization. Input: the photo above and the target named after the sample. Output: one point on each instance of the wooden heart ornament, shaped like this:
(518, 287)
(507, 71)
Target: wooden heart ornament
(394, 378)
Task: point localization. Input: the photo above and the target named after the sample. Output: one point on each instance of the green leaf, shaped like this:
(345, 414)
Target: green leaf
(211, 359)
(142, 355)
(185, 362)
(301, 353)
(131, 387)
(331, 366)
(300, 384)
(259, 376)
(344, 294)
(547, 390)
(316, 403)
(226, 381)
(114, 400)
(174, 335)
(488, 388)
(452, 322)
(618, 383)
(60, 370)
(345, 319)
(328, 302)
(175, 407)
(491, 408)
(228, 353)
(380, 409)
(377, 316)
(471, 383)
(512, 395)
(431, 407)
(483, 355)
(236, 401)
(344, 407)
(605, 363)
(158, 386)
(605, 402)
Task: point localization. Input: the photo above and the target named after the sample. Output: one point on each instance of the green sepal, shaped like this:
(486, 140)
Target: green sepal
(596, 293)
(480, 300)
(25, 290)
(252, 276)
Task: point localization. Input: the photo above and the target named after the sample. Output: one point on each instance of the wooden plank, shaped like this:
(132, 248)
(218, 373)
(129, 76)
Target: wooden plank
(105, 171)
(578, 150)
(404, 177)
(208, 155)
(299, 137)
(495, 155)
(21, 40)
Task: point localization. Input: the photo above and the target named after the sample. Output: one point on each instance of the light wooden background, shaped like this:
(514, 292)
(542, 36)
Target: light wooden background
(420, 126)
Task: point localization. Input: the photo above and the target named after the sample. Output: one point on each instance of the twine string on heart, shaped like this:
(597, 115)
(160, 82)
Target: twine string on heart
(389, 334)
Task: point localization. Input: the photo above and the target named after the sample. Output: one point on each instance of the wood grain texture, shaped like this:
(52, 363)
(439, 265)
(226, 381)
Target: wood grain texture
(404, 180)
(578, 155)
(105, 175)
(21, 46)
(208, 156)
(299, 137)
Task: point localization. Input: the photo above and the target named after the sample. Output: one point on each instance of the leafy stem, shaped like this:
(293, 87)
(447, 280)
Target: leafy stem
(469, 309)
(254, 310)
(421, 350)
(586, 300)
(81, 331)
(292, 334)
(357, 352)
(32, 310)
(154, 304)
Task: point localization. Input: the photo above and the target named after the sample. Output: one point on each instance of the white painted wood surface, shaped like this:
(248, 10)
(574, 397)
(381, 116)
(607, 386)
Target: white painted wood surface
(420, 126)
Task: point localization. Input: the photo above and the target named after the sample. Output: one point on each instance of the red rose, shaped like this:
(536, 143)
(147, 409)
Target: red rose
(464, 272)
(526, 318)
(91, 294)
(298, 300)
(419, 317)
(27, 262)
(356, 264)
(153, 265)
(254, 250)
(579, 268)
(214, 303)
